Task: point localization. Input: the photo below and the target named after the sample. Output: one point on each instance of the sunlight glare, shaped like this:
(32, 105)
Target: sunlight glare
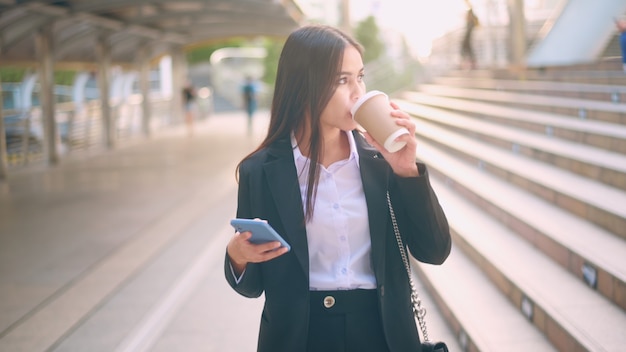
(421, 21)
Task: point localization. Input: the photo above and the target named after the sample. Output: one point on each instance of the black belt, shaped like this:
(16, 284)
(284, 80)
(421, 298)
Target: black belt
(343, 301)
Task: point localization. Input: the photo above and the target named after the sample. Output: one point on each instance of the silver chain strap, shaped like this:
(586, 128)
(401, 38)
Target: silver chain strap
(418, 310)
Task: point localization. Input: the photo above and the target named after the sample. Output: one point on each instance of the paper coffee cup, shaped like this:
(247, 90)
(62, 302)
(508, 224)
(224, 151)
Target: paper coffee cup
(373, 112)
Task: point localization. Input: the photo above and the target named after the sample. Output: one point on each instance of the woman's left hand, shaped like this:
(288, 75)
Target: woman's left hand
(403, 161)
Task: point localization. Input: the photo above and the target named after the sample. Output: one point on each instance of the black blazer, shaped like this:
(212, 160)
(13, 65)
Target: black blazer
(268, 189)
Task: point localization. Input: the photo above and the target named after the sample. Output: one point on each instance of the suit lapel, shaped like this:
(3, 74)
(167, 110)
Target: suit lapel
(374, 175)
(285, 190)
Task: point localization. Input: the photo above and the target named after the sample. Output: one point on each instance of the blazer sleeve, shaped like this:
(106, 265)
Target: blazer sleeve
(251, 284)
(421, 219)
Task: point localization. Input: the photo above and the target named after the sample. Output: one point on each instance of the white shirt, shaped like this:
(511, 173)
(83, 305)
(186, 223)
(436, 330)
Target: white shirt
(338, 235)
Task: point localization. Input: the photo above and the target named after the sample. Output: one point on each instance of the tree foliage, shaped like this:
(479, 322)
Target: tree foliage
(368, 34)
(12, 74)
(17, 74)
(203, 53)
(273, 47)
(64, 77)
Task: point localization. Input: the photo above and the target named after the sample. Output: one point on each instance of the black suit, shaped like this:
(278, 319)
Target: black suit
(269, 189)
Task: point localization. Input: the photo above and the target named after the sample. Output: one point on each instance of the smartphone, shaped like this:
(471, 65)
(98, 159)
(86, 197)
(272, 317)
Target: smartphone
(261, 231)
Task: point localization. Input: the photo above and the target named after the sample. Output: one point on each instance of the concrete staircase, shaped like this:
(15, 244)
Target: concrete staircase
(532, 175)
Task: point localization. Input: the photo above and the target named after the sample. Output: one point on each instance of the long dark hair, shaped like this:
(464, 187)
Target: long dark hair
(308, 69)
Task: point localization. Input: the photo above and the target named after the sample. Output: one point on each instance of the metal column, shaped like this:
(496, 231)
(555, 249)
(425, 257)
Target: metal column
(103, 49)
(144, 87)
(179, 78)
(3, 150)
(517, 32)
(45, 51)
(344, 21)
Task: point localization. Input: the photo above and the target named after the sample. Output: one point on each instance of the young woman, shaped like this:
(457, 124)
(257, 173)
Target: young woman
(322, 186)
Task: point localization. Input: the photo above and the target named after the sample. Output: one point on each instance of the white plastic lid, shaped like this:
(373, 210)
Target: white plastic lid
(391, 144)
(363, 99)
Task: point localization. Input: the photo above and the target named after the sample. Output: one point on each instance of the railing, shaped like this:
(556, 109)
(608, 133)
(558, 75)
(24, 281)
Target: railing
(80, 127)
(490, 43)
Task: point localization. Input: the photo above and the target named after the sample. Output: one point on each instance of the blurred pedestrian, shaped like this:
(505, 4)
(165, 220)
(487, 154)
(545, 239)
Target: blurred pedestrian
(189, 98)
(250, 99)
(468, 57)
(621, 27)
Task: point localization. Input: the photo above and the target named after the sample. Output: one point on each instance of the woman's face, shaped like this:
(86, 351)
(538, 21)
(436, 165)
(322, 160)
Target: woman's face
(350, 86)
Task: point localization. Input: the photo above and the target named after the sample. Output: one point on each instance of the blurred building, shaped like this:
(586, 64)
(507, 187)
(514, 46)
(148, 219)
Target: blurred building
(542, 23)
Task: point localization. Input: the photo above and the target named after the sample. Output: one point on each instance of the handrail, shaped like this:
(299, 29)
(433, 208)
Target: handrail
(79, 127)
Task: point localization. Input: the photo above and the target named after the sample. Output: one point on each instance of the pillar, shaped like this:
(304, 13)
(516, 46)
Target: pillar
(179, 78)
(45, 53)
(103, 51)
(517, 32)
(144, 87)
(344, 20)
(3, 149)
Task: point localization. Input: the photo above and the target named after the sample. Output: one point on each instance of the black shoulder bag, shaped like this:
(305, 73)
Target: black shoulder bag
(418, 310)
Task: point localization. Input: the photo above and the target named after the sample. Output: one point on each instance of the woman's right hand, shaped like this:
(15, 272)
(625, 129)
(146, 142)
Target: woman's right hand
(241, 251)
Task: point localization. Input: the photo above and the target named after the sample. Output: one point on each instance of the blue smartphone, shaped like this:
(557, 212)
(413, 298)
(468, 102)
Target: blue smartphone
(261, 231)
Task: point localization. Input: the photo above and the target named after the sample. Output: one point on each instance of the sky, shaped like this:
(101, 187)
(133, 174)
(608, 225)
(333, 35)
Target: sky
(420, 21)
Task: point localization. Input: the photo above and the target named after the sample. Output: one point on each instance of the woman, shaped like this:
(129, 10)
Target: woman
(322, 186)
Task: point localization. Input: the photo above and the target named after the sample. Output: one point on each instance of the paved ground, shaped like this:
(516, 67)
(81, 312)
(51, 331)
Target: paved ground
(123, 250)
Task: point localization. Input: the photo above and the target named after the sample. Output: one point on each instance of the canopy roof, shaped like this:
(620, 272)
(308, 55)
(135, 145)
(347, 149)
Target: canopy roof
(128, 25)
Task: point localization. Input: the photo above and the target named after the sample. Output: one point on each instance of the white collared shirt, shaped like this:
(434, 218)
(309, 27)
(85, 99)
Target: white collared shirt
(338, 235)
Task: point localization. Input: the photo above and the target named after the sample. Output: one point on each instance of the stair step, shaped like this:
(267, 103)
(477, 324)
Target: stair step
(607, 71)
(602, 165)
(560, 234)
(584, 109)
(593, 91)
(482, 316)
(587, 198)
(609, 136)
(530, 167)
(573, 316)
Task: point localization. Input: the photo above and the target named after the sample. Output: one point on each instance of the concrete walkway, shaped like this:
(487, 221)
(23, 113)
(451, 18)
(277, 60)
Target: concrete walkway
(104, 251)
(123, 250)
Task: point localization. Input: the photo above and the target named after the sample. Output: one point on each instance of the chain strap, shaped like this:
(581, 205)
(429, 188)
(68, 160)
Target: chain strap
(416, 302)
